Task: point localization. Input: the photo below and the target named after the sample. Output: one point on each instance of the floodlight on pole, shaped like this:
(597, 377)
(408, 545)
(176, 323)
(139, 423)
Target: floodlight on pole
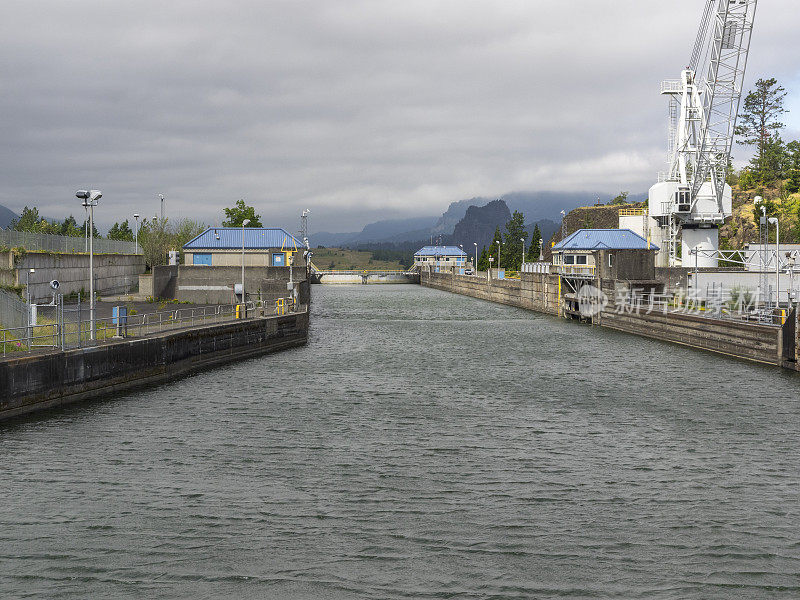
(90, 199)
(523, 249)
(245, 223)
(476, 258)
(774, 221)
(136, 232)
(161, 197)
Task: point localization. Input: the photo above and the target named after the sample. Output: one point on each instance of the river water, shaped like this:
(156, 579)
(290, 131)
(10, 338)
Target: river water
(423, 445)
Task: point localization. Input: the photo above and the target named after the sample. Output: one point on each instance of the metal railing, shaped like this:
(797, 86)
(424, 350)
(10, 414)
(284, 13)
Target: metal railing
(44, 242)
(13, 311)
(580, 270)
(537, 267)
(71, 330)
(632, 212)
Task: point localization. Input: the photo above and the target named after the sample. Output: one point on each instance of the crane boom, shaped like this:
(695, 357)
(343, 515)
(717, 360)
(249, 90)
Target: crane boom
(693, 200)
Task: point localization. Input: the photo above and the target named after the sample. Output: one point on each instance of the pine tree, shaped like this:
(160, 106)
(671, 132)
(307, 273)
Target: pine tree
(121, 231)
(536, 238)
(493, 248)
(759, 126)
(793, 185)
(483, 261)
(514, 242)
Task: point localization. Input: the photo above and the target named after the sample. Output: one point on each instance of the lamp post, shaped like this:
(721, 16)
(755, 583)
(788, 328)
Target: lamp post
(489, 270)
(523, 252)
(90, 200)
(245, 223)
(30, 309)
(774, 221)
(541, 248)
(498, 254)
(476, 258)
(161, 197)
(136, 231)
(563, 224)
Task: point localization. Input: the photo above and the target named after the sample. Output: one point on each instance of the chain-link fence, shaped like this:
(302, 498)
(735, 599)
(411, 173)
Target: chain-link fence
(43, 242)
(70, 326)
(13, 311)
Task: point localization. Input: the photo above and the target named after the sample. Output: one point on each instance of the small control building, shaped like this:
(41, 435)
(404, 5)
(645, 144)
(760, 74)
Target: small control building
(441, 258)
(605, 254)
(263, 247)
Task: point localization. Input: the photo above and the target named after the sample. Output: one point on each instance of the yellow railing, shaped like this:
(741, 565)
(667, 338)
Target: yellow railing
(632, 212)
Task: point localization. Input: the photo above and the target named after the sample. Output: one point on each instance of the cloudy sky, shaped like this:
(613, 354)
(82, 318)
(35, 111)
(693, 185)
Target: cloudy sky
(356, 109)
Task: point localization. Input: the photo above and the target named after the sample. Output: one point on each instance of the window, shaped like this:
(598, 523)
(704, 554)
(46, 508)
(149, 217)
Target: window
(581, 259)
(278, 259)
(569, 259)
(203, 258)
(610, 260)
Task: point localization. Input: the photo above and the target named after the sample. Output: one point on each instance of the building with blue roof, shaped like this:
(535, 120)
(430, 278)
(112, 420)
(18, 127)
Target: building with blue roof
(605, 254)
(441, 258)
(263, 247)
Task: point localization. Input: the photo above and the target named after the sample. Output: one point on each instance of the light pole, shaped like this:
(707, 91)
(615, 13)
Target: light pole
(563, 224)
(541, 248)
(161, 197)
(245, 223)
(90, 200)
(30, 309)
(523, 252)
(774, 221)
(498, 254)
(136, 232)
(489, 270)
(476, 258)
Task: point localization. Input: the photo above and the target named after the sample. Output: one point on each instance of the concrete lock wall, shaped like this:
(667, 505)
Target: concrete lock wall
(539, 292)
(113, 273)
(215, 285)
(760, 343)
(35, 382)
(365, 278)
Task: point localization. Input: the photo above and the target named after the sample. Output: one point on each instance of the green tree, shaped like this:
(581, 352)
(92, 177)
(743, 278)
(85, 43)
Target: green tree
(121, 231)
(70, 227)
(793, 167)
(622, 198)
(95, 233)
(514, 242)
(536, 238)
(237, 214)
(491, 251)
(483, 261)
(759, 126)
(29, 220)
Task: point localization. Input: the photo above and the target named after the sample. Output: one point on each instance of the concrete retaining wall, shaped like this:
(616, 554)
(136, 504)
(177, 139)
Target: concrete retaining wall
(539, 292)
(534, 291)
(35, 382)
(113, 273)
(214, 285)
(369, 278)
(760, 343)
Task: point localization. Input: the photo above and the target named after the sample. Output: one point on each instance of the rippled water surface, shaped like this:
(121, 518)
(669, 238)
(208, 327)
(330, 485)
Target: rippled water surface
(423, 445)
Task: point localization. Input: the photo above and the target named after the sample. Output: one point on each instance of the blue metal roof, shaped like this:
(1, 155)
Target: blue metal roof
(604, 239)
(440, 251)
(255, 238)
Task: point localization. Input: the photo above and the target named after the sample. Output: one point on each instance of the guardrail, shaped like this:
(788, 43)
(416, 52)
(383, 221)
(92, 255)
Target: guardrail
(68, 333)
(44, 242)
(579, 270)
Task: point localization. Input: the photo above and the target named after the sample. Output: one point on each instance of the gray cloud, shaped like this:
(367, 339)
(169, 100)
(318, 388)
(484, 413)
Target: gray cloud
(358, 110)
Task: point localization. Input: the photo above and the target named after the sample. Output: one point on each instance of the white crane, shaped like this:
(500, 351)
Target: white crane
(692, 200)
